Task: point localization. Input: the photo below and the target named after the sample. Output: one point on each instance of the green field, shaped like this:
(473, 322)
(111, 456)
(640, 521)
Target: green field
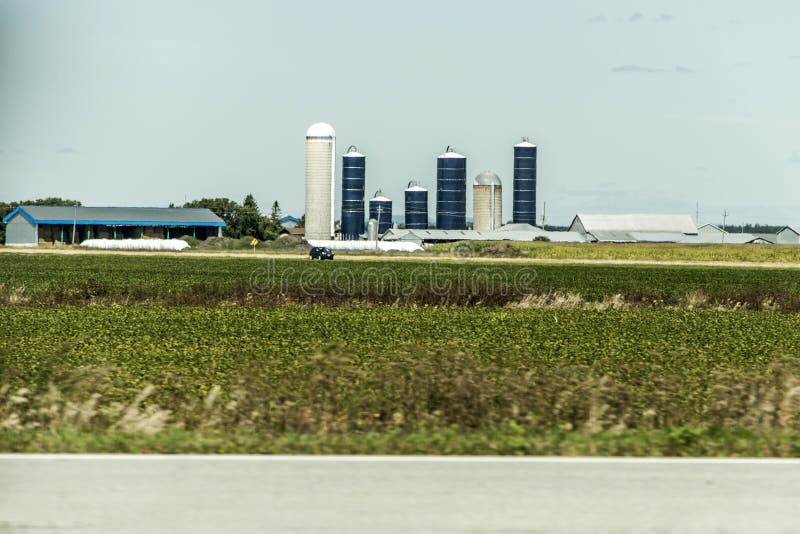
(46, 279)
(102, 353)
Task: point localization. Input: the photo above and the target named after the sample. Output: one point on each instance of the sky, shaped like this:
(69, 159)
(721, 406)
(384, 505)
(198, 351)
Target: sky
(636, 106)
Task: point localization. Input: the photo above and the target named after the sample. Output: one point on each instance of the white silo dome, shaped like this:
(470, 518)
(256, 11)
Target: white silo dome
(487, 178)
(321, 129)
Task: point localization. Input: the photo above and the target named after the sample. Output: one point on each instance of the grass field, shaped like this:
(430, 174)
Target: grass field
(43, 279)
(102, 353)
(631, 251)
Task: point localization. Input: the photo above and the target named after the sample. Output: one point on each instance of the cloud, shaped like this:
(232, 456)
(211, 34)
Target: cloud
(794, 158)
(642, 69)
(794, 58)
(636, 17)
(598, 19)
(66, 150)
(665, 18)
(701, 168)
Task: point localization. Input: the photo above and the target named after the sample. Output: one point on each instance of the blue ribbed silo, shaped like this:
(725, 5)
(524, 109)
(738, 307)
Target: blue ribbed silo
(416, 207)
(380, 209)
(525, 182)
(451, 191)
(353, 175)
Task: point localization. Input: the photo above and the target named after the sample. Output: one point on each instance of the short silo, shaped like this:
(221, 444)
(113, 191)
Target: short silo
(525, 182)
(487, 198)
(353, 173)
(451, 191)
(380, 209)
(416, 207)
(320, 173)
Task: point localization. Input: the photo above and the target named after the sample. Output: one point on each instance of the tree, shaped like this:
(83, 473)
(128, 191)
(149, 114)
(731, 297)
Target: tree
(224, 208)
(275, 214)
(250, 219)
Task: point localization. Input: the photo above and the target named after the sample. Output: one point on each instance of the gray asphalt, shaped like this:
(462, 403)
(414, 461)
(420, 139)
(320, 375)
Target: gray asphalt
(94, 494)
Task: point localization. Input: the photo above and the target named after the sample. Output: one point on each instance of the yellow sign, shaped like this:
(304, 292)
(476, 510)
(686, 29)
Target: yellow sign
(254, 242)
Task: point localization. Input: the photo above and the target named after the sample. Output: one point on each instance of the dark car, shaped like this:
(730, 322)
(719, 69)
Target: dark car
(320, 253)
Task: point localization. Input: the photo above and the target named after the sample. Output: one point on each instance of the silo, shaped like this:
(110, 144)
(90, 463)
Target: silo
(525, 182)
(380, 209)
(353, 167)
(451, 191)
(487, 197)
(320, 178)
(416, 207)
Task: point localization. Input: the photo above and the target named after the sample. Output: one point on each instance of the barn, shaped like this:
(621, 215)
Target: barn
(32, 225)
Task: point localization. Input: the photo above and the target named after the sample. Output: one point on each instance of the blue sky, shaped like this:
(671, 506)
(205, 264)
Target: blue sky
(635, 106)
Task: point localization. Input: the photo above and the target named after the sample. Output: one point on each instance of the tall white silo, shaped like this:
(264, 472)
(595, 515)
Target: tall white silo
(487, 197)
(320, 179)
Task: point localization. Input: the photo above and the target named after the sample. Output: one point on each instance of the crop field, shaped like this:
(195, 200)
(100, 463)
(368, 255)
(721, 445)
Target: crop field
(170, 354)
(80, 279)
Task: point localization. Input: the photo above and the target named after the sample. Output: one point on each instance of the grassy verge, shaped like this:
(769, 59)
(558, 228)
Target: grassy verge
(673, 442)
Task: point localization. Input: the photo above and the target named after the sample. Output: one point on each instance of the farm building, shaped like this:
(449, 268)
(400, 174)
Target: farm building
(289, 221)
(510, 232)
(633, 228)
(31, 225)
(788, 236)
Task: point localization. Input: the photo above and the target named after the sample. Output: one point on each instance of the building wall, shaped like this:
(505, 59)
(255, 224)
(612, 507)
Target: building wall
(788, 237)
(20, 231)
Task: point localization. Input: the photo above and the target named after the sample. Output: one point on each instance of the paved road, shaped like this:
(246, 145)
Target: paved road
(101, 494)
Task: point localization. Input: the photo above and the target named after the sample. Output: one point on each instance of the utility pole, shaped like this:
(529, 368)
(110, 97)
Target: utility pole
(724, 224)
(380, 209)
(74, 224)
(544, 215)
(697, 214)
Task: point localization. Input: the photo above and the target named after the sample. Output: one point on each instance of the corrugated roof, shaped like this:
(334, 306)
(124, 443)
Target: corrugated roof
(118, 216)
(657, 237)
(731, 239)
(635, 222)
(474, 235)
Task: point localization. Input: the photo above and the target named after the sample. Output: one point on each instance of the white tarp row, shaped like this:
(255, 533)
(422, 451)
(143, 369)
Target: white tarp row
(386, 246)
(175, 245)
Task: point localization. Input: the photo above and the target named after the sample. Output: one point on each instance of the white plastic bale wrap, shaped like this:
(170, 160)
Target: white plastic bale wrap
(385, 246)
(173, 245)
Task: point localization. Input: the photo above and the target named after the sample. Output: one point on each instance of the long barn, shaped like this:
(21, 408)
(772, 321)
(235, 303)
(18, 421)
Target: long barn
(32, 225)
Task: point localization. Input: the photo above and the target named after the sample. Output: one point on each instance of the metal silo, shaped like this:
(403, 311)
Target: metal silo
(416, 207)
(487, 197)
(380, 209)
(525, 182)
(353, 167)
(320, 178)
(451, 191)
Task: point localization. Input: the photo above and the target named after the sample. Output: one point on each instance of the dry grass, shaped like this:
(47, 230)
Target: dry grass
(332, 393)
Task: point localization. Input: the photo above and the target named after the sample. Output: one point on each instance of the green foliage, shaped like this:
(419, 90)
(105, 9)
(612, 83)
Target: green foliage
(318, 370)
(712, 442)
(245, 220)
(53, 279)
